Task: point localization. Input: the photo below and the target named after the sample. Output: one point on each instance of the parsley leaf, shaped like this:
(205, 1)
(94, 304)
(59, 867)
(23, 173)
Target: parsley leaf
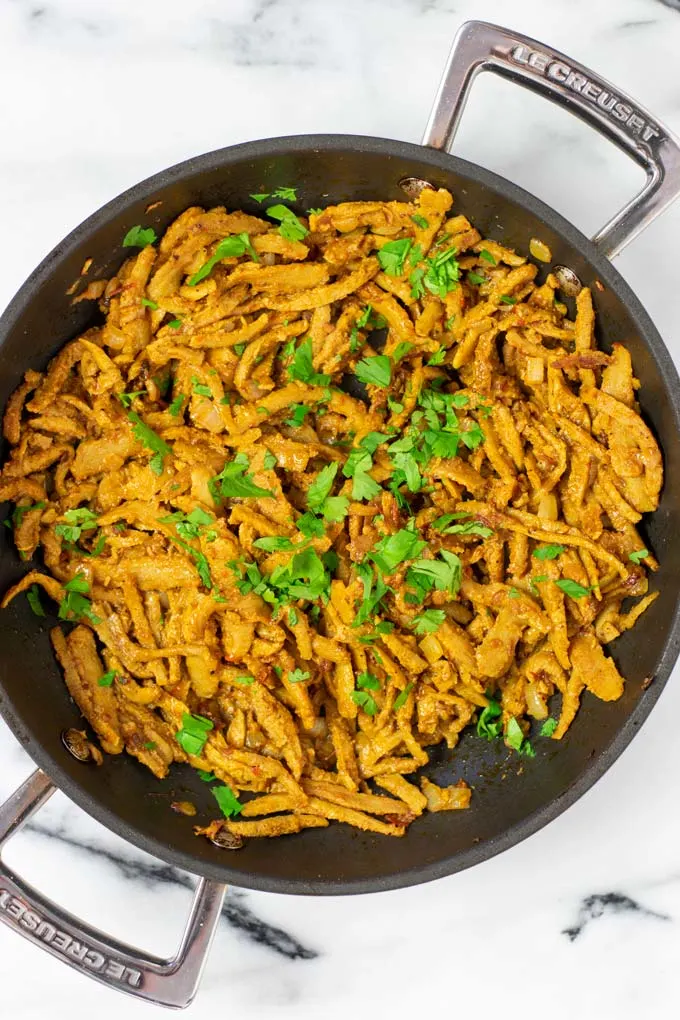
(402, 697)
(302, 367)
(229, 247)
(147, 437)
(310, 526)
(176, 405)
(376, 371)
(444, 525)
(297, 676)
(428, 621)
(514, 736)
(637, 556)
(367, 682)
(334, 508)
(400, 350)
(193, 734)
(75, 604)
(127, 398)
(572, 588)
(274, 543)
(442, 273)
(392, 550)
(139, 237)
(548, 552)
(476, 278)
(438, 357)
(321, 486)
(78, 520)
(106, 679)
(233, 481)
(445, 574)
(506, 299)
(366, 701)
(291, 228)
(489, 725)
(488, 257)
(548, 727)
(227, 800)
(420, 221)
(33, 598)
(300, 412)
(287, 194)
(260, 196)
(199, 388)
(392, 256)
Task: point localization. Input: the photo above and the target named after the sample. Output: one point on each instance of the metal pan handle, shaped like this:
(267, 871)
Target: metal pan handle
(480, 46)
(171, 983)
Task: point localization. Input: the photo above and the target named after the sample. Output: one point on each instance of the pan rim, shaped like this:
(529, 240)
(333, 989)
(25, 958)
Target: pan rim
(280, 146)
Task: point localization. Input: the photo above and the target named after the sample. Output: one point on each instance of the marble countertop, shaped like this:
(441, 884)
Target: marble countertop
(583, 918)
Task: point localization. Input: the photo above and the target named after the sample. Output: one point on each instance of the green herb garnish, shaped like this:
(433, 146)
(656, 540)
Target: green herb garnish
(193, 735)
(229, 803)
(291, 228)
(139, 237)
(549, 552)
(428, 621)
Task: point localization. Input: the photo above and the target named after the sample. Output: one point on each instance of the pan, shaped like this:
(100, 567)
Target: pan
(507, 806)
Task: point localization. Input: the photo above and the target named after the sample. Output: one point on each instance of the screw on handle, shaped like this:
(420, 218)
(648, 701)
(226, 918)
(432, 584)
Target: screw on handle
(171, 982)
(480, 46)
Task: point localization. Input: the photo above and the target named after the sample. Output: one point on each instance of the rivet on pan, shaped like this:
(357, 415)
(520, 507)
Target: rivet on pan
(414, 185)
(77, 744)
(226, 840)
(568, 281)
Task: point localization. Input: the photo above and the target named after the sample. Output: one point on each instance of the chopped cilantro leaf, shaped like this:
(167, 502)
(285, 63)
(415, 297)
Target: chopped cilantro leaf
(572, 588)
(488, 257)
(548, 552)
(287, 194)
(229, 247)
(428, 621)
(199, 388)
(298, 676)
(548, 727)
(127, 398)
(33, 599)
(489, 725)
(366, 701)
(420, 221)
(376, 370)
(148, 438)
(514, 737)
(392, 256)
(106, 679)
(139, 237)
(302, 367)
(274, 543)
(233, 481)
(260, 196)
(291, 228)
(193, 734)
(637, 556)
(392, 550)
(400, 350)
(176, 405)
(402, 697)
(227, 800)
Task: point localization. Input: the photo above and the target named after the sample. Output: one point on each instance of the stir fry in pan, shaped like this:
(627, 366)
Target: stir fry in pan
(318, 493)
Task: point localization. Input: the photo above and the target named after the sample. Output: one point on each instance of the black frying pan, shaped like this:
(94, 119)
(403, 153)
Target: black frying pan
(507, 806)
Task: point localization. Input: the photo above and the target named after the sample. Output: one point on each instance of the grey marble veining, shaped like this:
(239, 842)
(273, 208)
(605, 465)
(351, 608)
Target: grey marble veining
(583, 917)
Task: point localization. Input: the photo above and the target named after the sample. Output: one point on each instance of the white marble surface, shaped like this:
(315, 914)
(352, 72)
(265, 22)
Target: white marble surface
(95, 94)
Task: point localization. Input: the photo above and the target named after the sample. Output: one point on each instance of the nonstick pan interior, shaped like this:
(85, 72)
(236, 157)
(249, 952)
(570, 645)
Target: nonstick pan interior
(512, 797)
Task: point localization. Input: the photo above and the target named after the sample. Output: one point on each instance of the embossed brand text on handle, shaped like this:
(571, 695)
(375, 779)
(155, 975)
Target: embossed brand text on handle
(627, 115)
